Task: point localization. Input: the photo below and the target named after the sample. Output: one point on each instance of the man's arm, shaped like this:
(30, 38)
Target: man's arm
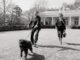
(35, 22)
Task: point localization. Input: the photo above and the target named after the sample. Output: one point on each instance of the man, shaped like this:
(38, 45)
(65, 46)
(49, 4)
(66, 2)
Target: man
(61, 27)
(36, 28)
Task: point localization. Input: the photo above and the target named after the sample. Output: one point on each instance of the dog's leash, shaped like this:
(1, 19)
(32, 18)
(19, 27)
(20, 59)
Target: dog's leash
(29, 34)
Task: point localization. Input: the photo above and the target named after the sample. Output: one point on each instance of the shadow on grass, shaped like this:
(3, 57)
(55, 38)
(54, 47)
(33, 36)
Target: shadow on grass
(76, 44)
(55, 46)
(36, 57)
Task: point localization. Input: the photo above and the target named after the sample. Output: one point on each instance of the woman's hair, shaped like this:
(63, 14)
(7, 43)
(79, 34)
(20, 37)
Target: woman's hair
(61, 14)
(36, 13)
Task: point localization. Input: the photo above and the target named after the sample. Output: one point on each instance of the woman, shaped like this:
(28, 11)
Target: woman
(61, 27)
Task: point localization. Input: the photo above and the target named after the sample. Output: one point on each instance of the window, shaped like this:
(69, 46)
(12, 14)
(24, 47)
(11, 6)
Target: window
(66, 20)
(48, 21)
(75, 20)
(55, 19)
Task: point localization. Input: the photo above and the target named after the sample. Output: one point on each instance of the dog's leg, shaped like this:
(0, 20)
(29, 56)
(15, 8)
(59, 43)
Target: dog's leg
(26, 52)
(21, 52)
(31, 49)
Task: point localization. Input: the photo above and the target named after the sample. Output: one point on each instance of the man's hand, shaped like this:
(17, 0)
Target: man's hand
(32, 27)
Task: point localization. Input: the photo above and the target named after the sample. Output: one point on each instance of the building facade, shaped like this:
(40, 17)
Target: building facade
(72, 18)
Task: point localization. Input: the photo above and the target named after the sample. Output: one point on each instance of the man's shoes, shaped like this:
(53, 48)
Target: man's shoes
(35, 45)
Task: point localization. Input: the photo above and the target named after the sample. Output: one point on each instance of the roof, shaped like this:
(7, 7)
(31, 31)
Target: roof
(65, 13)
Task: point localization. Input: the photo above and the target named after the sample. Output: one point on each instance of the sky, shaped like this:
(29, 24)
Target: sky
(27, 4)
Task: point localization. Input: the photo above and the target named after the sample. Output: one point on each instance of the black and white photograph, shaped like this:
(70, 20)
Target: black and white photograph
(39, 29)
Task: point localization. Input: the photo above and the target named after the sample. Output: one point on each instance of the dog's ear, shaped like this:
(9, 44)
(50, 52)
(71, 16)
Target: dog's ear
(20, 40)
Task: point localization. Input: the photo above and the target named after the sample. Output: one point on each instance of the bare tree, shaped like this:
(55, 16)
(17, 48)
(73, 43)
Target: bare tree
(16, 14)
(4, 9)
(4, 6)
(41, 4)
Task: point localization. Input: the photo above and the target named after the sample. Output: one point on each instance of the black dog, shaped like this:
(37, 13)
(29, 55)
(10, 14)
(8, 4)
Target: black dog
(24, 46)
